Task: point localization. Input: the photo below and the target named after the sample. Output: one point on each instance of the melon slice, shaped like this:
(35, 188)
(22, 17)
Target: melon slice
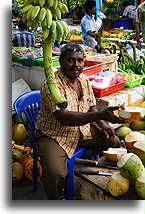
(133, 137)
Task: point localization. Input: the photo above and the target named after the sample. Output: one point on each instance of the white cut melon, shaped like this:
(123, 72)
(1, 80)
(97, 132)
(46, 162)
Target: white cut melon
(118, 185)
(130, 166)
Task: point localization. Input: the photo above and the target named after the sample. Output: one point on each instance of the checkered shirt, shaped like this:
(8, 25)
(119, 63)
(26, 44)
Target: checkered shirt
(66, 136)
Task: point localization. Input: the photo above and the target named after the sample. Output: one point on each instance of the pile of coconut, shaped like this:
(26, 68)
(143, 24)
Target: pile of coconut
(130, 171)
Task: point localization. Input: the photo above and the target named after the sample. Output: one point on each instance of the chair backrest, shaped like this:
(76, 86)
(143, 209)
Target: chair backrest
(29, 103)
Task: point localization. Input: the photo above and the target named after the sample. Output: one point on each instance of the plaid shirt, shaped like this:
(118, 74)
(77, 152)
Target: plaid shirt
(23, 39)
(66, 136)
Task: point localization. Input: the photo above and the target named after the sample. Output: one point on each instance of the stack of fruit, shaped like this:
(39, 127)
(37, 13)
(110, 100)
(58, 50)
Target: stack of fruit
(74, 36)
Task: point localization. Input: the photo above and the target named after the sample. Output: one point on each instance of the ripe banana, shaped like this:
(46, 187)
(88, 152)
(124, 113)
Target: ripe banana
(53, 31)
(58, 13)
(35, 12)
(48, 17)
(41, 3)
(50, 3)
(41, 15)
(26, 8)
(55, 4)
(28, 17)
(45, 33)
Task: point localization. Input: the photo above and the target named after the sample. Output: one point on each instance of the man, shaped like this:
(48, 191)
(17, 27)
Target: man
(60, 132)
(140, 24)
(24, 38)
(89, 26)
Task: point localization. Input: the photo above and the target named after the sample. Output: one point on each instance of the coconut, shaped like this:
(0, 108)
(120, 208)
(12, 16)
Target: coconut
(131, 114)
(140, 186)
(18, 120)
(126, 124)
(118, 185)
(133, 137)
(18, 133)
(16, 154)
(17, 172)
(123, 131)
(130, 166)
(113, 154)
(137, 125)
(139, 149)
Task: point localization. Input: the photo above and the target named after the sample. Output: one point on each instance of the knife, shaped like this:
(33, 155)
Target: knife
(91, 172)
(94, 163)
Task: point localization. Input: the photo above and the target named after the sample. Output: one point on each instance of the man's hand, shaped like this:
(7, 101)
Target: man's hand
(107, 130)
(107, 114)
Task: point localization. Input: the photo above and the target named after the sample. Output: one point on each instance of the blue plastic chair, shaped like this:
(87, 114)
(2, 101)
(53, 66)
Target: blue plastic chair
(29, 103)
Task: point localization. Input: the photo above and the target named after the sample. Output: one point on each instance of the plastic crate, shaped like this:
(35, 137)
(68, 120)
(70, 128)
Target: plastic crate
(133, 83)
(101, 92)
(93, 67)
(54, 61)
(30, 61)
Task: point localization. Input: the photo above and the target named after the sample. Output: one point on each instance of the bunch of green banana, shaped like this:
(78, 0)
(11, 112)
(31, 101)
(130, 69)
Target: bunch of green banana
(47, 14)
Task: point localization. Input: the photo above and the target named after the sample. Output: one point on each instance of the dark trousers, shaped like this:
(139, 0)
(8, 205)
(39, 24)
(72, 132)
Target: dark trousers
(54, 159)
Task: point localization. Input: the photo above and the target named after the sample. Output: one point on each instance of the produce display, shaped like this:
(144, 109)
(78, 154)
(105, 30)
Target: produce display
(27, 52)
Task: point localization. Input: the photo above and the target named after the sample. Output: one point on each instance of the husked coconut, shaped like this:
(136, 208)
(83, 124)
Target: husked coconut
(131, 113)
(137, 125)
(140, 185)
(139, 149)
(130, 166)
(114, 154)
(118, 185)
(123, 131)
(133, 137)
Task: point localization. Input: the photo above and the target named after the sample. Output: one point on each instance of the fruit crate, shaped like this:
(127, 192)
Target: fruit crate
(16, 58)
(93, 67)
(101, 92)
(54, 61)
(133, 83)
(30, 61)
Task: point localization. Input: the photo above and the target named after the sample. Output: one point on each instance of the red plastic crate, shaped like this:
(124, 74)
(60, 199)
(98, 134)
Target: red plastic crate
(93, 67)
(101, 92)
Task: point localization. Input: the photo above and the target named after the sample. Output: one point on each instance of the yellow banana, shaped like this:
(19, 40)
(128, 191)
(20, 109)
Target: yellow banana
(59, 4)
(48, 17)
(28, 17)
(26, 8)
(58, 13)
(35, 12)
(64, 8)
(55, 4)
(50, 3)
(41, 15)
(41, 3)
(53, 30)
(45, 33)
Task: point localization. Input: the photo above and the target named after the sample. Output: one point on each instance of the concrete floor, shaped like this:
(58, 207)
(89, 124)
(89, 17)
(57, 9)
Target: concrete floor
(24, 190)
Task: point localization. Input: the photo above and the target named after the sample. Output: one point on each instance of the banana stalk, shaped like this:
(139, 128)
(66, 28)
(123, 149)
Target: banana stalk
(49, 73)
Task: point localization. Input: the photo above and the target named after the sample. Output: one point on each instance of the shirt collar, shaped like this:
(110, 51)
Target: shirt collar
(89, 17)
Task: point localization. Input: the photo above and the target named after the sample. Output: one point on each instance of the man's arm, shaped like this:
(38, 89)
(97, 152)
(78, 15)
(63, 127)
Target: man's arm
(70, 118)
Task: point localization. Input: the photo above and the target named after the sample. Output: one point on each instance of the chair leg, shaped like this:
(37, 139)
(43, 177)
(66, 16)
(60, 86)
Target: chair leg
(35, 173)
(69, 184)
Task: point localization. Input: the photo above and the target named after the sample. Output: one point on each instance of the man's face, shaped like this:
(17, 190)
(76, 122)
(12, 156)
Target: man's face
(93, 10)
(72, 64)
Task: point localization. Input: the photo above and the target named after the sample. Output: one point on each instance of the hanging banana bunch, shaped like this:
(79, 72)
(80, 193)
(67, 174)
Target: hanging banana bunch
(47, 14)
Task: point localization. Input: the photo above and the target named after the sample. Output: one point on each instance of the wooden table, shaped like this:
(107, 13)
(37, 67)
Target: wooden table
(95, 187)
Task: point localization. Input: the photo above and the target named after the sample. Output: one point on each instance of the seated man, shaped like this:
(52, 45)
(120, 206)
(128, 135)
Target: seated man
(60, 132)
(24, 38)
